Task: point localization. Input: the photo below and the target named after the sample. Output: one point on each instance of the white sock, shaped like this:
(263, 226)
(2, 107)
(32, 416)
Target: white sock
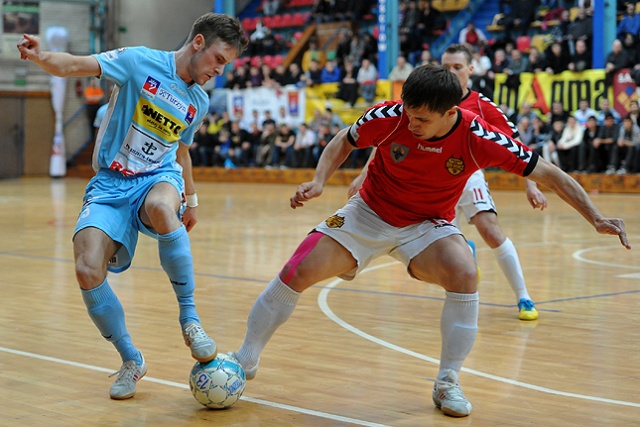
(272, 308)
(509, 262)
(458, 327)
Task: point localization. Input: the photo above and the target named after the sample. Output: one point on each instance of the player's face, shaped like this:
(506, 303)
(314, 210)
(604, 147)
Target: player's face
(209, 62)
(425, 124)
(458, 65)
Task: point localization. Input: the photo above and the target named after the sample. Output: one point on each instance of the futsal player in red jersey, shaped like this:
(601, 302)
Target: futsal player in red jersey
(476, 202)
(427, 149)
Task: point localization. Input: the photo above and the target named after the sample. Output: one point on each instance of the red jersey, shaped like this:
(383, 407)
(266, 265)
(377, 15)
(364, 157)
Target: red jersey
(411, 180)
(490, 112)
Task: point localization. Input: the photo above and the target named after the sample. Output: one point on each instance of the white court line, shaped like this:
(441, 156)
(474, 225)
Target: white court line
(324, 306)
(185, 386)
(579, 256)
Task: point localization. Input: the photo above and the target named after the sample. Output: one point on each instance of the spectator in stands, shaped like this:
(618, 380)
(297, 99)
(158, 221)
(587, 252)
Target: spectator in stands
(269, 44)
(222, 151)
(584, 111)
(539, 133)
(525, 129)
(431, 21)
(240, 143)
(629, 140)
(330, 73)
(581, 58)
(367, 80)
(285, 138)
(526, 110)
(314, 74)
(499, 64)
(411, 18)
(255, 47)
(343, 46)
(401, 70)
(281, 75)
(296, 76)
(603, 145)
(201, 150)
(255, 77)
(472, 36)
(581, 29)
(634, 112)
(480, 65)
(301, 156)
(370, 47)
(517, 65)
(324, 136)
(427, 58)
(586, 154)
(605, 108)
(286, 118)
(268, 120)
(557, 113)
(617, 59)
(267, 77)
(272, 7)
(632, 47)
(348, 87)
(557, 59)
(410, 47)
(255, 119)
(313, 53)
(511, 113)
(318, 120)
(629, 24)
(356, 49)
(536, 61)
(265, 144)
(520, 18)
(549, 150)
(321, 11)
(568, 145)
(331, 118)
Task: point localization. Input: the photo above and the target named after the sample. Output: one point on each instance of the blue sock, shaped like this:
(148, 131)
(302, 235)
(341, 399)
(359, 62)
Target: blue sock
(177, 262)
(108, 315)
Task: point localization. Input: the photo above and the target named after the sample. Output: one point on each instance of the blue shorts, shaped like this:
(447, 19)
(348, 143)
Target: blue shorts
(111, 204)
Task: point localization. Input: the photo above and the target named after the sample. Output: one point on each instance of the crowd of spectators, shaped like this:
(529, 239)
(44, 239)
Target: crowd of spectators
(584, 140)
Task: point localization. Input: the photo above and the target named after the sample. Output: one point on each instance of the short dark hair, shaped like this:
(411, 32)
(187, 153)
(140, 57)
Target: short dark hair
(218, 27)
(460, 48)
(431, 86)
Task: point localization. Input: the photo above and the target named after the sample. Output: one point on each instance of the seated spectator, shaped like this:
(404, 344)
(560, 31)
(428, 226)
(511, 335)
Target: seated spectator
(255, 77)
(285, 138)
(241, 144)
(265, 144)
(367, 78)
(201, 149)
(605, 108)
(581, 59)
(286, 118)
(281, 75)
(401, 70)
(500, 63)
(520, 18)
(536, 61)
(472, 36)
(348, 86)
(581, 29)
(313, 53)
(427, 58)
(603, 144)
(431, 20)
(539, 133)
(322, 11)
(272, 7)
(629, 24)
(558, 113)
(481, 65)
(318, 120)
(526, 110)
(549, 151)
(296, 76)
(587, 155)
(302, 154)
(330, 73)
(557, 59)
(511, 113)
(314, 74)
(632, 47)
(568, 145)
(628, 140)
(267, 119)
(324, 137)
(584, 112)
(617, 59)
(267, 77)
(525, 130)
(332, 118)
(634, 112)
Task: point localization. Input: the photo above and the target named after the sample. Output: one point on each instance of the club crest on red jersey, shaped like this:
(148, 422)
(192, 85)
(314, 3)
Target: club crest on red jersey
(398, 152)
(335, 221)
(454, 166)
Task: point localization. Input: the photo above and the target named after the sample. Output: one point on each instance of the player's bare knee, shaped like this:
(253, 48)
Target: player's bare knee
(88, 276)
(463, 279)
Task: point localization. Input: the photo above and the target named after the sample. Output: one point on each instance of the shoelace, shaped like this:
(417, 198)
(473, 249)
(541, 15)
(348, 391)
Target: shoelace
(126, 372)
(195, 333)
(527, 304)
(453, 391)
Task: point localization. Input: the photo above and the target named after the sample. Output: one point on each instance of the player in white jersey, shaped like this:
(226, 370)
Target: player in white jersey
(476, 202)
(143, 174)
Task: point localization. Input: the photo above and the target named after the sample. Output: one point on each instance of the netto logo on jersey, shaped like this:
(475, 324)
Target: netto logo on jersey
(335, 221)
(166, 122)
(429, 149)
(454, 166)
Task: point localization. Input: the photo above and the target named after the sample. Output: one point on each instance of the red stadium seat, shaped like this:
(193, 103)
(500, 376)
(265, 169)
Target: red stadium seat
(287, 20)
(523, 44)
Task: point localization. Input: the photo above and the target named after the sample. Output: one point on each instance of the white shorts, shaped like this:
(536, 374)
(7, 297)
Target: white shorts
(475, 197)
(363, 233)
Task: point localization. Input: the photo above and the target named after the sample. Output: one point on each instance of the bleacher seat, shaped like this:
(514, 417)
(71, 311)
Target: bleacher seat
(298, 19)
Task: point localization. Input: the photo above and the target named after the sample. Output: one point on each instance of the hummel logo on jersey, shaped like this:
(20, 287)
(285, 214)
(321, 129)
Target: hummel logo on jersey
(151, 87)
(429, 149)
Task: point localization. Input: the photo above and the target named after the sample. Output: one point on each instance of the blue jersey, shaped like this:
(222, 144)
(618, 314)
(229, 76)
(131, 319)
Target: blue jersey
(150, 111)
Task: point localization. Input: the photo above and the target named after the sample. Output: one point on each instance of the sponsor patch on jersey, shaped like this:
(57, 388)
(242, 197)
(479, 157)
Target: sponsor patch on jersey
(191, 114)
(399, 152)
(158, 121)
(171, 99)
(455, 166)
(335, 221)
(150, 87)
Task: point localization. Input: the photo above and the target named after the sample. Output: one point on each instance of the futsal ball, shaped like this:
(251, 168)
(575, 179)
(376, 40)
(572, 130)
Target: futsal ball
(219, 383)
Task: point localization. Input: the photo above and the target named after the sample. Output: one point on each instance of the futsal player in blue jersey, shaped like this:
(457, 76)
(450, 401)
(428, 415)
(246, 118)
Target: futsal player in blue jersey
(143, 181)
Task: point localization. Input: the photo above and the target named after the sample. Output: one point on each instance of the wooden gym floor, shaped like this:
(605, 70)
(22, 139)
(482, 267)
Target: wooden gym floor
(360, 353)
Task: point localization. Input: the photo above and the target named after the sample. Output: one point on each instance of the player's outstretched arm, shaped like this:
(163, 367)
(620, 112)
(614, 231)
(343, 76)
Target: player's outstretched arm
(61, 64)
(356, 185)
(571, 192)
(334, 154)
